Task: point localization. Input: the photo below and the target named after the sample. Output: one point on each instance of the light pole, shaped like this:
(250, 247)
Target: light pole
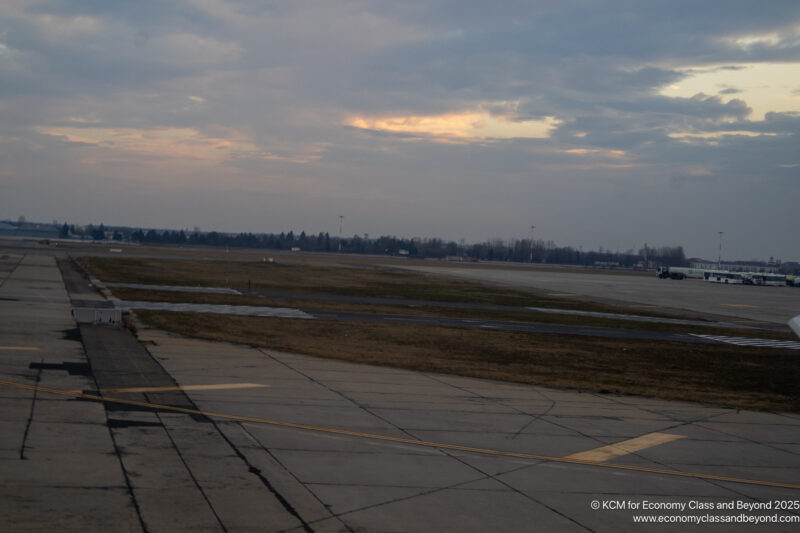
(532, 228)
(341, 218)
(719, 258)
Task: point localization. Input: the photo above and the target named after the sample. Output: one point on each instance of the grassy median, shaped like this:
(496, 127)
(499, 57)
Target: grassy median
(346, 280)
(753, 378)
(520, 315)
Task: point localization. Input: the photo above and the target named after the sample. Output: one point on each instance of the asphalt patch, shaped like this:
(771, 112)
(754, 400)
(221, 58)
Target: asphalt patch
(73, 334)
(74, 369)
(115, 423)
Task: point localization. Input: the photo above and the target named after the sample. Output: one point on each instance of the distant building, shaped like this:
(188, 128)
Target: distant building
(735, 266)
(26, 229)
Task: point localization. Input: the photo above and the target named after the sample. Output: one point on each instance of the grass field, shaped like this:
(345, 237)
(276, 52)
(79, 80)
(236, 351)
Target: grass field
(740, 377)
(520, 315)
(365, 280)
(757, 378)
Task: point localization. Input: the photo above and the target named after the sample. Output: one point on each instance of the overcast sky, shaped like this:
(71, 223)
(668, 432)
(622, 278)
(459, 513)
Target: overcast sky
(612, 123)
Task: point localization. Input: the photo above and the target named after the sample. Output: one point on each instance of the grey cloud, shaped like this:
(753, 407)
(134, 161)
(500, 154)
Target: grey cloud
(700, 106)
(285, 75)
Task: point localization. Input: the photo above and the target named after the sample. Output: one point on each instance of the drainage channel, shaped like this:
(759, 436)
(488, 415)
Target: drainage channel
(199, 462)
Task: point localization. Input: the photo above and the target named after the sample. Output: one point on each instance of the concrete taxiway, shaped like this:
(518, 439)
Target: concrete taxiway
(103, 431)
(744, 302)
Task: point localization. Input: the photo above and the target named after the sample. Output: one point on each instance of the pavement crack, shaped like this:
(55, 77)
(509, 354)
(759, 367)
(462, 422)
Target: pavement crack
(447, 453)
(759, 443)
(404, 498)
(191, 474)
(11, 272)
(30, 415)
(266, 482)
(494, 477)
(699, 422)
(340, 394)
(128, 484)
(534, 417)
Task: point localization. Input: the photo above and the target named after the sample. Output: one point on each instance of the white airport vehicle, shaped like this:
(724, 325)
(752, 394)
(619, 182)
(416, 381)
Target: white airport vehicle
(758, 278)
(680, 272)
(724, 276)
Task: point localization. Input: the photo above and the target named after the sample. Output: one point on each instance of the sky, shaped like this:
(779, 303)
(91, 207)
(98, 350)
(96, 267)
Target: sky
(613, 124)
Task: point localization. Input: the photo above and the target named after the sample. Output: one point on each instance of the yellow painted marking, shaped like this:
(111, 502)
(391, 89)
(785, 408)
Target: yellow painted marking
(740, 305)
(625, 447)
(186, 387)
(401, 440)
(20, 348)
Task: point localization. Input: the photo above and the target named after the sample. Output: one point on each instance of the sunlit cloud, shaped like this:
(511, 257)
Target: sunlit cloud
(595, 151)
(464, 126)
(772, 39)
(764, 87)
(57, 29)
(285, 115)
(696, 171)
(596, 158)
(718, 134)
(179, 145)
(156, 143)
(82, 120)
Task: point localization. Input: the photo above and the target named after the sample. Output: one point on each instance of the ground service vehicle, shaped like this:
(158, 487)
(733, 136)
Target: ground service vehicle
(757, 278)
(723, 276)
(680, 272)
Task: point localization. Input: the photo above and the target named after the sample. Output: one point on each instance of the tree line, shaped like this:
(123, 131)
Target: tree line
(516, 250)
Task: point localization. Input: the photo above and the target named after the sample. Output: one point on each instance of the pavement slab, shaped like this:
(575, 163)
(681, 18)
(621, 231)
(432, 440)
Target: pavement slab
(62, 473)
(79, 464)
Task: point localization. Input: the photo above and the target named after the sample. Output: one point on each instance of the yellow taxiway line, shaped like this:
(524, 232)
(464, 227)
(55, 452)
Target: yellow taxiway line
(415, 442)
(625, 447)
(20, 348)
(224, 386)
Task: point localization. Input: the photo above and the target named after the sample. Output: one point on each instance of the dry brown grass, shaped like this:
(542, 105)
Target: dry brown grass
(313, 305)
(369, 281)
(322, 258)
(758, 378)
(724, 375)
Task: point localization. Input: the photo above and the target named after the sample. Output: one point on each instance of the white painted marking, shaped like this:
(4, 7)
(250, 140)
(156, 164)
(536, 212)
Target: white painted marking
(745, 341)
(795, 325)
(170, 288)
(241, 310)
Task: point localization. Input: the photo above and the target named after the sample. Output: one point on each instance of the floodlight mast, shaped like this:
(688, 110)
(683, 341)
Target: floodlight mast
(532, 228)
(341, 218)
(719, 258)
